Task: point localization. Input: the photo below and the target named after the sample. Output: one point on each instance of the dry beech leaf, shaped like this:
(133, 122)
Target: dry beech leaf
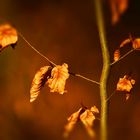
(118, 7)
(116, 55)
(86, 116)
(8, 36)
(126, 41)
(39, 81)
(136, 44)
(117, 51)
(59, 75)
(125, 84)
(72, 120)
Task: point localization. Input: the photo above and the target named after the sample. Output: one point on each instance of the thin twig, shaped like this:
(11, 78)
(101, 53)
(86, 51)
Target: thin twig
(110, 96)
(90, 80)
(36, 50)
(132, 50)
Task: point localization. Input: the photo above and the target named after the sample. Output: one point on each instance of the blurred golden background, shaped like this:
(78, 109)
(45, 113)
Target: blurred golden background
(65, 31)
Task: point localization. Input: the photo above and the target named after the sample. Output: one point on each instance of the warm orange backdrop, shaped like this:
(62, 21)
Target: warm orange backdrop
(64, 31)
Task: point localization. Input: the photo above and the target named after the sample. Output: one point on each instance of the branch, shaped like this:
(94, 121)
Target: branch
(129, 52)
(85, 78)
(52, 63)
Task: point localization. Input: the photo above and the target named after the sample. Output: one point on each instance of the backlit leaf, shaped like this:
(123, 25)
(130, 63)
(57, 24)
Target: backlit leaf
(136, 44)
(8, 36)
(58, 78)
(123, 44)
(38, 82)
(126, 41)
(116, 55)
(72, 120)
(86, 116)
(125, 84)
(118, 7)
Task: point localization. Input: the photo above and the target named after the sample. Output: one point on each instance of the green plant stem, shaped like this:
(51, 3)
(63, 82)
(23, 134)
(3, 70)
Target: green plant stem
(105, 69)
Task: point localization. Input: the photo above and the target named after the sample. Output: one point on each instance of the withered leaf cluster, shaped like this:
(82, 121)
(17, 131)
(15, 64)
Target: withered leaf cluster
(135, 45)
(55, 78)
(86, 116)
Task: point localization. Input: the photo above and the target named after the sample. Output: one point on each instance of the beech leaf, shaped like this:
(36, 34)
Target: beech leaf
(126, 41)
(118, 7)
(57, 81)
(8, 36)
(39, 81)
(72, 120)
(125, 84)
(136, 44)
(86, 116)
(116, 55)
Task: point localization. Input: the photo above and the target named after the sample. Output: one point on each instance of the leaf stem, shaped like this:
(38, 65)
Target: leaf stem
(105, 69)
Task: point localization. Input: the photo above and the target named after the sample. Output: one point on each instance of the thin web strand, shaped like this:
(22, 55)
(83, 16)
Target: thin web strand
(36, 49)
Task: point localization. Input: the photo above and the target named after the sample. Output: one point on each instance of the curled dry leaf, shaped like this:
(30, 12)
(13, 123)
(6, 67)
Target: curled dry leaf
(116, 55)
(72, 120)
(8, 36)
(123, 43)
(59, 75)
(118, 7)
(38, 82)
(126, 41)
(125, 84)
(136, 44)
(86, 116)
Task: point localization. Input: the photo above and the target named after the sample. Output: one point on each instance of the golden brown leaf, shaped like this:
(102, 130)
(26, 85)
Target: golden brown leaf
(59, 75)
(136, 44)
(125, 84)
(87, 118)
(116, 55)
(38, 82)
(8, 36)
(126, 41)
(72, 120)
(118, 7)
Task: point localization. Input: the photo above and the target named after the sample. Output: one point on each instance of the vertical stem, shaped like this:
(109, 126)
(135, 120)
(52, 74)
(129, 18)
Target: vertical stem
(105, 69)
